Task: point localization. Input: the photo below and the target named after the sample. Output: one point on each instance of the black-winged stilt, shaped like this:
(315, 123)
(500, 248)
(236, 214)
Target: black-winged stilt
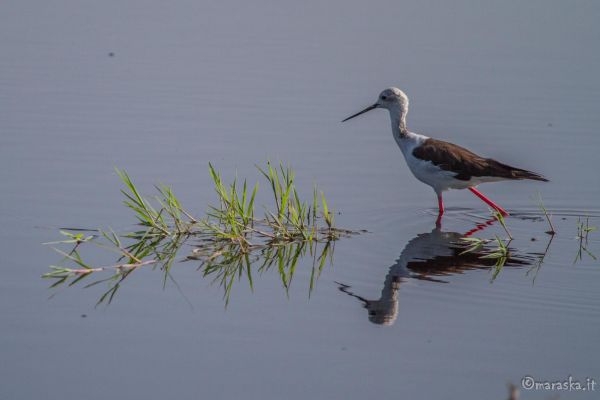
(440, 164)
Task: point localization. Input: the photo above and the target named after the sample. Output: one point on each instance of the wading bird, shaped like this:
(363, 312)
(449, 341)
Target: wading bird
(440, 164)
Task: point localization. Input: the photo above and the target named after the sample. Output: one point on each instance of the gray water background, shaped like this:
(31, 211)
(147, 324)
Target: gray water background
(237, 83)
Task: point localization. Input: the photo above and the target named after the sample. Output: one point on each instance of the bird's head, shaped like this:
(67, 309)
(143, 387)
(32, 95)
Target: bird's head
(392, 99)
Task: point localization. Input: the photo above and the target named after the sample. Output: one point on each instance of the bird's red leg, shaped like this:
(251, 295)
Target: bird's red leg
(488, 201)
(438, 222)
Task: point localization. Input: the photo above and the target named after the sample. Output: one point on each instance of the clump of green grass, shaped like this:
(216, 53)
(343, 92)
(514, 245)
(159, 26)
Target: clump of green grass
(233, 218)
(498, 215)
(230, 237)
(169, 219)
(550, 231)
(295, 219)
(292, 219)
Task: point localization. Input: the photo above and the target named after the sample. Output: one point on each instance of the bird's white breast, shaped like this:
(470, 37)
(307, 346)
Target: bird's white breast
(425, 171)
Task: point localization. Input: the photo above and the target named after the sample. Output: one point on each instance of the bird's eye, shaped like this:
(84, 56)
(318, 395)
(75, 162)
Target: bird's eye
(383, 97)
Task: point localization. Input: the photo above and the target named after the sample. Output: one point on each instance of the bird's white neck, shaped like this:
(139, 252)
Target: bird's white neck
(405, 139)
(398, 117)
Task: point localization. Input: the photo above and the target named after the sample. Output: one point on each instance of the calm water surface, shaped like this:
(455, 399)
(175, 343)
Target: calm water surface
(236, 84)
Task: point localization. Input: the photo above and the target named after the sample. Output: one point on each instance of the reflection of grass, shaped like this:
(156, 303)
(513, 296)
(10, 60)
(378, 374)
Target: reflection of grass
(228, 264)
(540, 261)
(500, 253)
(583, 231)
(230, 238)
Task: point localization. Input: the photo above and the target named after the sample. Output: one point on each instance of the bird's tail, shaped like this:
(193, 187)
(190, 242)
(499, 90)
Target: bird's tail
(524, 174)
(516, 173)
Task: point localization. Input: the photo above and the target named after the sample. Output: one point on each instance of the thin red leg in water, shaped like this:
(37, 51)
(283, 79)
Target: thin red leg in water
(488, 201)
(438, 222)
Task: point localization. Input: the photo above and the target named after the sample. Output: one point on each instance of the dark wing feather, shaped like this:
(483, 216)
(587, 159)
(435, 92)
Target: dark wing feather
(467, 164)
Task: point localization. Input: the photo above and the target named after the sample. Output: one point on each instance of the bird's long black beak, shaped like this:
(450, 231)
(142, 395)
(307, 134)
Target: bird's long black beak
(361, 112)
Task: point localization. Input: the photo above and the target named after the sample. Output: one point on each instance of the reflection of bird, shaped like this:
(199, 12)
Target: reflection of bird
(439, 164)
(428, 256)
